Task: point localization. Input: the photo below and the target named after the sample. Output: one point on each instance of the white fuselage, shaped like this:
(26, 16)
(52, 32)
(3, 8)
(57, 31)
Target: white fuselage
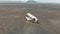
(31, 17)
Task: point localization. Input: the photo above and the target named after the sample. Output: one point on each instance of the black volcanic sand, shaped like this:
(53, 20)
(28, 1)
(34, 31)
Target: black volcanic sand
(12, 18)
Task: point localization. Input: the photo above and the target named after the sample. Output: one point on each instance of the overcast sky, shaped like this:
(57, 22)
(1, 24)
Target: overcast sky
(49, 1)
(44, 1)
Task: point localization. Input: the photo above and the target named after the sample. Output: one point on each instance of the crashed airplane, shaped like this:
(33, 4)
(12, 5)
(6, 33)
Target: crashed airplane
(30, 17)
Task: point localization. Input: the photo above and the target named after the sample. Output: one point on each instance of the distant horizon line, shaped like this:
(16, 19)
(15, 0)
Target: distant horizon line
(21, 2)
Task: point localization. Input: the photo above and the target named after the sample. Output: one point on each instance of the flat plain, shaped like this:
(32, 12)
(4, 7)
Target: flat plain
(12, 18)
